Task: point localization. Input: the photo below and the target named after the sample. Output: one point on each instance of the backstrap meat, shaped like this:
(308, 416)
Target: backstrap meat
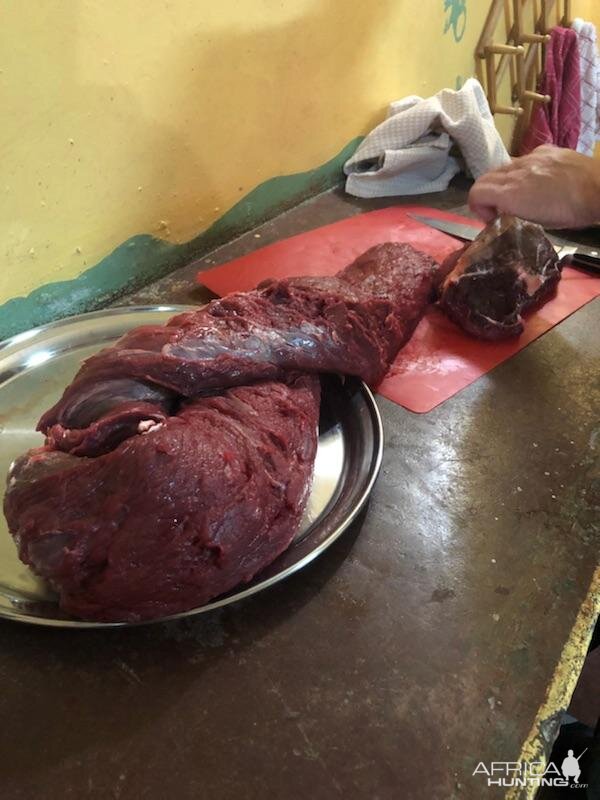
(178, 462)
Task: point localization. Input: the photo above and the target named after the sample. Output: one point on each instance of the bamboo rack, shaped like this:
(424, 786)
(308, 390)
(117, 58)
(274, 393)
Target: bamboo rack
(519, 51)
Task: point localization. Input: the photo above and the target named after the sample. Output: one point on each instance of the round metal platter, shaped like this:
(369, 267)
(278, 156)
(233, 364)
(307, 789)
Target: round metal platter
(35, 366)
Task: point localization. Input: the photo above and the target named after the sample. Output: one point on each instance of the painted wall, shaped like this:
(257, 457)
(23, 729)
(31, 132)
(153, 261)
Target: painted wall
(154, 117)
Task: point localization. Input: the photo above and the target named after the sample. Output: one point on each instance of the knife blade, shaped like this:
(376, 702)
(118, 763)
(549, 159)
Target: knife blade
(586, 258)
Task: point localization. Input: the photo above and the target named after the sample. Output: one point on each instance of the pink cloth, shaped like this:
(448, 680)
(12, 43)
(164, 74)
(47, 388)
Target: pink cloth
(559, 122)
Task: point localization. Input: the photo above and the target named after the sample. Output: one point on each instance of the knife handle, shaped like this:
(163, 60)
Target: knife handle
(588, 252)
(586, 258)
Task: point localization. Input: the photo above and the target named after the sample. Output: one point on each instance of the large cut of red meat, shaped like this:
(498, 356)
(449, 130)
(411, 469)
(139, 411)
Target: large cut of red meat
(175, 516)
(178, 462)
(510, 267)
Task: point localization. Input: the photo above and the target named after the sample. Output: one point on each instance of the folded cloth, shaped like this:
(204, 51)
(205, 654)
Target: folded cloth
(409, 153)
(590, 86)
(559, 122)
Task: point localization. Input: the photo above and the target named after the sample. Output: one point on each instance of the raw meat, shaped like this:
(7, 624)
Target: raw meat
(353, 324)
(508, 268)
(174, 517)
(178, 462)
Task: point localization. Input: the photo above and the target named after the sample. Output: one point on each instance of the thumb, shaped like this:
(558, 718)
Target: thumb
(485, 212)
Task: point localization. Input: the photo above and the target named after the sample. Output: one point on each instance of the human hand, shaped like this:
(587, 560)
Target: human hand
(554, 186)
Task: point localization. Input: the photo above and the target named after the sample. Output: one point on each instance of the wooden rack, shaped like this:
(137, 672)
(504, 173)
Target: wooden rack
(517, 52)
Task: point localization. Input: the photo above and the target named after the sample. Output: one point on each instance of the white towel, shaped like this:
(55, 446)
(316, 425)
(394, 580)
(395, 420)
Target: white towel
(590, 86)
(409, 153)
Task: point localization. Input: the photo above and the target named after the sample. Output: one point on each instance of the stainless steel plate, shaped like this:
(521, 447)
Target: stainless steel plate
(36, 366)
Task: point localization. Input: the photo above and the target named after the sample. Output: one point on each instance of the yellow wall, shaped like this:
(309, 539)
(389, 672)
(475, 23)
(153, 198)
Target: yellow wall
(155, 116)
(588, 9)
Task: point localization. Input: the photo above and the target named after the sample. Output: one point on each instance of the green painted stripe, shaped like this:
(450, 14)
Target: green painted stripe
(143, 258)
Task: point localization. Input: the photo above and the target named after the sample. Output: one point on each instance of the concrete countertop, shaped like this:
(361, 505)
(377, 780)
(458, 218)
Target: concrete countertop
(444, 629)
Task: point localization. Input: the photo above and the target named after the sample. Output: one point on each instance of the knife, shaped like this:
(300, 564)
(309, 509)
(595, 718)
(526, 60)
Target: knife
(587, 258)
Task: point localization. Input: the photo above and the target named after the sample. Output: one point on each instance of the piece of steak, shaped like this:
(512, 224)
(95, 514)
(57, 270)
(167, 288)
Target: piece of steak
(178, 463)
(510, 267)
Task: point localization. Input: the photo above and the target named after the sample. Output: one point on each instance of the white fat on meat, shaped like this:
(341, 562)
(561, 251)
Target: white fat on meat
(148, 426)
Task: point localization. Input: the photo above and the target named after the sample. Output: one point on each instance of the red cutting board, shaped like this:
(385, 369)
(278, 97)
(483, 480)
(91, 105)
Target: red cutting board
(440, 359)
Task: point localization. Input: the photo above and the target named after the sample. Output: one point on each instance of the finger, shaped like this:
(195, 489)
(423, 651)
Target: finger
(508, 167)
(492, 182)
(545, 149)
(484, 213)
(488, 196)
(491, 186)
(502, 169)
